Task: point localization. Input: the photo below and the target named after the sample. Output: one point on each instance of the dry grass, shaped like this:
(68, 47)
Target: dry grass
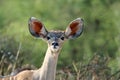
(96, 69)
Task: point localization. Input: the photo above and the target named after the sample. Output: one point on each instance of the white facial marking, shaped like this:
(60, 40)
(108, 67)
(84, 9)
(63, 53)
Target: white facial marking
(68, 31)
(54, 49)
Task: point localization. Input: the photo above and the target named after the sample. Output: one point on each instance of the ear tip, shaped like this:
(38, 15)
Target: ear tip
(32, 18)
(80, 19)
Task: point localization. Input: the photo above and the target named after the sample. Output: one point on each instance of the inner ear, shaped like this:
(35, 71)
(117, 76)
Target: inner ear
(37, 28)
(73, 27)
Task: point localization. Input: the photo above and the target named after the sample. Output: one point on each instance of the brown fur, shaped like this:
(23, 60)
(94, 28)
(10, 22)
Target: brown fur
(24, 75)
(48, 68)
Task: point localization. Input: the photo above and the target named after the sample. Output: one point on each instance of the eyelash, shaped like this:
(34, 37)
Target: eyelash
(62, 38)
(48, 38)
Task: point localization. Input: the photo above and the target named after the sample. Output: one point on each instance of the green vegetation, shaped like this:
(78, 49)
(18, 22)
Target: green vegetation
(101, 32)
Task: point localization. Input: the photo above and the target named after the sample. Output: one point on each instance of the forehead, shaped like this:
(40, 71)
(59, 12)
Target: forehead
(56, 33)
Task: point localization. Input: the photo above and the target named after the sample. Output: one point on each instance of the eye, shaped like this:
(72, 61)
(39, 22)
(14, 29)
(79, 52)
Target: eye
(48, 37)
(62, 38)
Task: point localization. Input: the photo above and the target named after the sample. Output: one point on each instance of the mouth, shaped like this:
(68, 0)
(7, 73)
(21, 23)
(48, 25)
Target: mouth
(55, 48)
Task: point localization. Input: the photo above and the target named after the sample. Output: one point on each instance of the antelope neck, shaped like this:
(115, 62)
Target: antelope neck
(48, 69)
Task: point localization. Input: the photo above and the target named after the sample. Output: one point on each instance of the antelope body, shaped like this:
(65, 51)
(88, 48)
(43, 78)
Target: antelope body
(55, 40)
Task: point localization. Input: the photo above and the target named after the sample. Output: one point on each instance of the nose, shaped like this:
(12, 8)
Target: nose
(55, 44)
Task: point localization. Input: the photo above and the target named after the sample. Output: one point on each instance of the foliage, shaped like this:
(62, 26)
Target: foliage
(101, 31)
(95, 69)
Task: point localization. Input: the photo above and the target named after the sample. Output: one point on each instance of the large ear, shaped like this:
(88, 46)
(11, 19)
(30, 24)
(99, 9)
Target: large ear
(74, 29)
(37, 28)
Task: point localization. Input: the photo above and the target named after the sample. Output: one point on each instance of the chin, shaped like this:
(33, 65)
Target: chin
(56, 49)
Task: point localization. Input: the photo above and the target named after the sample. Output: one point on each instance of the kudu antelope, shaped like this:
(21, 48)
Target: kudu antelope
(54, 39)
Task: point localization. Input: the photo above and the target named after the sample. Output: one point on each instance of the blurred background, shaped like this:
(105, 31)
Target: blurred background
(101, 33)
